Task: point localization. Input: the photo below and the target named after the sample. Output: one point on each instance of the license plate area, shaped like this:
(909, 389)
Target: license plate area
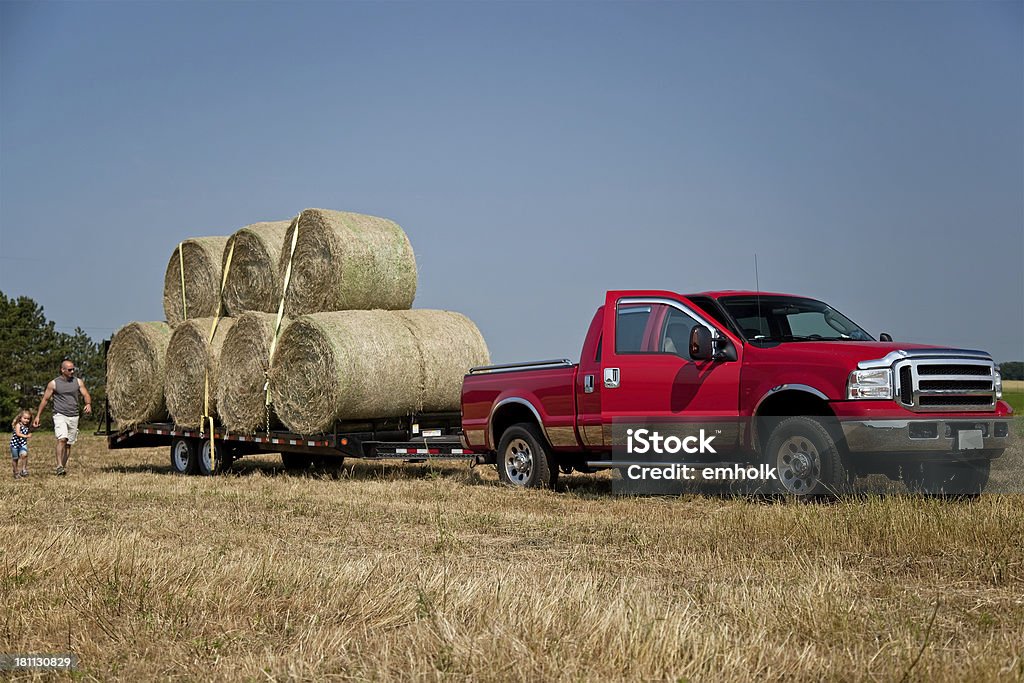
(969, 440)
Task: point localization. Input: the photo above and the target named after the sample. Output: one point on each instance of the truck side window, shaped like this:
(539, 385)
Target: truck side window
(630, 323)
(675, 334)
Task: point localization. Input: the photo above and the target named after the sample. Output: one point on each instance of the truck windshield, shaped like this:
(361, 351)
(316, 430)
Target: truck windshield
(790, 319)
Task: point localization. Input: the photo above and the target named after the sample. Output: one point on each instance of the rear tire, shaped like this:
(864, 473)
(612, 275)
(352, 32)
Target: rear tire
(203, 464)
(806, 459)
(524, 460)
(183, 456)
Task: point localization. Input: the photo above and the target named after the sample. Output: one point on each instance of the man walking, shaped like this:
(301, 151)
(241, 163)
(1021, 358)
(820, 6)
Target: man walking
(65, 391)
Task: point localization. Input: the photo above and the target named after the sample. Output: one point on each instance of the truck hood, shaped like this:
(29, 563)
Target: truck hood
(846, 353)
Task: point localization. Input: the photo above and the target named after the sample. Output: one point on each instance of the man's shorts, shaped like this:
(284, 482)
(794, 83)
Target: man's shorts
(18, 451)
(65, 427)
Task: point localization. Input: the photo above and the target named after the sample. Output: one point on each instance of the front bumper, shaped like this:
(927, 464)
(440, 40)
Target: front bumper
(936, 435)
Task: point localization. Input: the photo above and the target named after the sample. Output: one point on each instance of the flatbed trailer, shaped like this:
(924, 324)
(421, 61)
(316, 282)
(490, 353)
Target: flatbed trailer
(415, 438)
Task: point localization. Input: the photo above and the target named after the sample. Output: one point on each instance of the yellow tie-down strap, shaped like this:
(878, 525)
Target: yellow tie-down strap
(280, 312)
(213, 331)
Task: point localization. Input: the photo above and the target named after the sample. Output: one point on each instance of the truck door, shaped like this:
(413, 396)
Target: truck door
(588, 387)
(649, 378)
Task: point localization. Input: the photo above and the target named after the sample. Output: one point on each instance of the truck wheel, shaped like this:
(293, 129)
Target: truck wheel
(183, 456)
(203, 464)
(296, 462)
(523, 459)
(947, 478)
(806, 459)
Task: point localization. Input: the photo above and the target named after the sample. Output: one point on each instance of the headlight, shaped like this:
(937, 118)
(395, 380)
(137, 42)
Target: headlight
(869, 384)
(997, 382)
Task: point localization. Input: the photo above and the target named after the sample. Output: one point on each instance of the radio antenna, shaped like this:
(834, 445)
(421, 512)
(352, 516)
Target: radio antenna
(757, 285)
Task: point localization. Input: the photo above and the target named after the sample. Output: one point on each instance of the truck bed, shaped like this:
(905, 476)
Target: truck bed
(544, 388)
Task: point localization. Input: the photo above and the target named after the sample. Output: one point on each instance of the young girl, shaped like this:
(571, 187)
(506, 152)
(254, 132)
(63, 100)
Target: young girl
(19, 443)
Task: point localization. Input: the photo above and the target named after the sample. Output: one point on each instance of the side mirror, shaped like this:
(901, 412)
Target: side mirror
(885, 337)
(700, 343)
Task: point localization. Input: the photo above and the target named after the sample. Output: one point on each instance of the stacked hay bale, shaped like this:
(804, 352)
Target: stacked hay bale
(135, 373)
(242, 382)
(253, 277)
(192, 279)
(345, 261)
(192, 368)
(354, 349)
(351, 365)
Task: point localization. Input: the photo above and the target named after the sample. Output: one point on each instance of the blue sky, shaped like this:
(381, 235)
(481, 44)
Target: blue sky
(537, 154)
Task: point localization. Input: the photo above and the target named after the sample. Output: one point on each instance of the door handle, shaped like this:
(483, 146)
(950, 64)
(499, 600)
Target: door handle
(611, 378)
(588, 384)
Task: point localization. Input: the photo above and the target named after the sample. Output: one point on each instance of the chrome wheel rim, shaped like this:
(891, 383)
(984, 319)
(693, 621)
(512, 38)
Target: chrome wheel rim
(799, 465)
(518, 462)
(181, 456)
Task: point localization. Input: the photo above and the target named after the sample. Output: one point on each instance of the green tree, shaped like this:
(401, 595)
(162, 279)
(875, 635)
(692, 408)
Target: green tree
(1012, 369)
(31, 350)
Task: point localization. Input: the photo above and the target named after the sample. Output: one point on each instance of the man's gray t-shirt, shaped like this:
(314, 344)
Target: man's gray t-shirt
(65, 396)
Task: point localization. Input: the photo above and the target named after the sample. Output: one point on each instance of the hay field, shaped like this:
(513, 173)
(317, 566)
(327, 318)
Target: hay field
(400, 572)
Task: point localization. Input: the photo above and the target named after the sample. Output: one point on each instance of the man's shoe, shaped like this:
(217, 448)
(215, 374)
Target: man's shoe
(61, 472)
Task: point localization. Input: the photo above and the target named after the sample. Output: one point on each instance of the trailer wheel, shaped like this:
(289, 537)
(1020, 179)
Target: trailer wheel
(183, 456)
(224, 459)
(947, 478)
(807, 461)
(523, 459)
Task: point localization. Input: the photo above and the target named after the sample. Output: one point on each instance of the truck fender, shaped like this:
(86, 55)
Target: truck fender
(774, 391)
(492, 438)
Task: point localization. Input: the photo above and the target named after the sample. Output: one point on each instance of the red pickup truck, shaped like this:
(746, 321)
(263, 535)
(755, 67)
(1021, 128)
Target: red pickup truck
(784, 382)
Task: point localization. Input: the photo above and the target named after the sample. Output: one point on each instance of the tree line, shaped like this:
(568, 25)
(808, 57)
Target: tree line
(31, 351)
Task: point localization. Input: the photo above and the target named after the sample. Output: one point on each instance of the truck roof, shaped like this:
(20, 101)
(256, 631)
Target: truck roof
(741, 292)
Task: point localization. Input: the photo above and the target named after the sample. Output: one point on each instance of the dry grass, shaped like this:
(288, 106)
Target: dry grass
(406, 572)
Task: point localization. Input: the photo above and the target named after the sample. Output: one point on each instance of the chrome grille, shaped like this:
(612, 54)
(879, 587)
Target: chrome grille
(941, 384)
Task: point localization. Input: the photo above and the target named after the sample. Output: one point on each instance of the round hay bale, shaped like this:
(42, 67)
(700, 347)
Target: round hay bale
(135, 373)
(254, 281)
(241, 399)
(202, 258)
(190, 356)
(454, 338)
(346, 261)
(351, 365)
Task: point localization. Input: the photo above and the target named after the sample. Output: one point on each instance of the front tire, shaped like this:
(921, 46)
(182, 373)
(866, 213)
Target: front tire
(806, 459)
(183, 456)
(524, 460)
